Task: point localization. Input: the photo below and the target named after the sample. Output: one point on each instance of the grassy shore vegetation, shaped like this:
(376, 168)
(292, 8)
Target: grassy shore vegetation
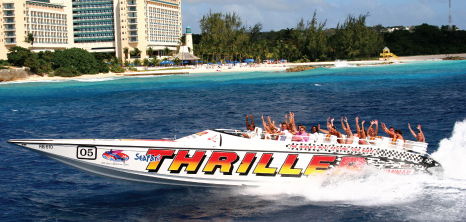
(67, 63)
(223, 37)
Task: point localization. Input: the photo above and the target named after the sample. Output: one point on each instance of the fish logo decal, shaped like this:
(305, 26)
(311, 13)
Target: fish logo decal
(115, 155)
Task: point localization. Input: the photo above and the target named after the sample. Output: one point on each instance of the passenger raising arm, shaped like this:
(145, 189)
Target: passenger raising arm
(349, 134)
(390, 132)
(266, 126)
(361, 133)
(292, 124)
(342, 124)
(252, 122)
(370, 131)
(420, 135)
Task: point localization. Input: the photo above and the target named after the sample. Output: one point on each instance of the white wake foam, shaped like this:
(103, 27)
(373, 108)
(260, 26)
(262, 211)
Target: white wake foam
(367, 187)
(95, 79)
(372, 187)
(452, 152)
(342, 64)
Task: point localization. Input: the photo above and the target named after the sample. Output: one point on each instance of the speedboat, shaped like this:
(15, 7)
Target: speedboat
(226, 157)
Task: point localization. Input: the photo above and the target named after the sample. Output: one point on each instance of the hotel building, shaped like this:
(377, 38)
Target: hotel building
(95, 25)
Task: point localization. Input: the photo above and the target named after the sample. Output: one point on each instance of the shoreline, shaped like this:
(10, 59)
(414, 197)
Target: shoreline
(260, 67)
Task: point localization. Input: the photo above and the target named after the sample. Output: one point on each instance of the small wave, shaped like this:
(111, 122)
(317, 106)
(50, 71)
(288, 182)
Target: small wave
(38, 81)
(96, 79)
(342, 64)
(146, 76)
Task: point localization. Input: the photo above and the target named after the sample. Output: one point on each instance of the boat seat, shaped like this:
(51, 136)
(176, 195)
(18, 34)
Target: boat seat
(400, 143)
(355, 140)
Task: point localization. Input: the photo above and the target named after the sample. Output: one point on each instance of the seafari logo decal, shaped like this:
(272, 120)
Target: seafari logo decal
(147, 158)
(229, 163)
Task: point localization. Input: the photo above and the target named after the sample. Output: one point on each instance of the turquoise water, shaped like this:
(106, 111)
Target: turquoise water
(428, 93)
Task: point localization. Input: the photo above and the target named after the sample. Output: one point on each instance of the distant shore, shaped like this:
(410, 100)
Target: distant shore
(238, 68)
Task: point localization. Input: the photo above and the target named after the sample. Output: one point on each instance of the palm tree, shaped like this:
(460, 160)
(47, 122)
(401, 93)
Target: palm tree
(166, 51)
(126, 51)
(136, 52)
(30, 39)
(150, 52)
(146, 62)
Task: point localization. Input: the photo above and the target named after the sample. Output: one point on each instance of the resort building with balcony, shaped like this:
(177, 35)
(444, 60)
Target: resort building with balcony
(108, 26)
(46, 21)
(94, 23)
(150, 24)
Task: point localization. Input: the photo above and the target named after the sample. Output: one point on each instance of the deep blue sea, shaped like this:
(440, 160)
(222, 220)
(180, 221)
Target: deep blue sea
(35, 188)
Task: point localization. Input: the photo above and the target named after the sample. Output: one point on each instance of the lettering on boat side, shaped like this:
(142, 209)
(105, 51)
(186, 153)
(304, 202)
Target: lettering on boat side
(46, 146)
(147, 158)
(86, 152)
(227, 162)
(399, 171)
(329, 148)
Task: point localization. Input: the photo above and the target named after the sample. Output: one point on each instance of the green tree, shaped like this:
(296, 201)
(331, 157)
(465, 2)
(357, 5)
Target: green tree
(155, 61)
(126, 51)
(137, 62)
(150, 52)
(222, 35)
(81, 59)
(30, 39)
(177, 61)
(135, 53)
(166, 51)
(17, 55)
(146, 62)
(354, 40)
(67, 72)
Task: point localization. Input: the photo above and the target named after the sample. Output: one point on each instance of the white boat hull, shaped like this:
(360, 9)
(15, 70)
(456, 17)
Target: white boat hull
(218, 158)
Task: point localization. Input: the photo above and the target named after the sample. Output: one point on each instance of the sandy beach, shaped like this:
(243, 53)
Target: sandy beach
(239, 68)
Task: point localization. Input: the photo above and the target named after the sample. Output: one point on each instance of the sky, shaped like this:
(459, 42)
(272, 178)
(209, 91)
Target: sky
(281, 14)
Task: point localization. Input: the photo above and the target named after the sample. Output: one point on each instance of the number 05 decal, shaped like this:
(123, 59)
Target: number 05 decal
(86, 152)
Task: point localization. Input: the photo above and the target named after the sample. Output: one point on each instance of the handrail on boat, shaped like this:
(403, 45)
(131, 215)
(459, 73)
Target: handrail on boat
(320, 138)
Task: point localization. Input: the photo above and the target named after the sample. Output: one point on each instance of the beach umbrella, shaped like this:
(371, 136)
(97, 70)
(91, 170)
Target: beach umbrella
(185, 62)
(219, 63)
(209, 63)
(196, 61)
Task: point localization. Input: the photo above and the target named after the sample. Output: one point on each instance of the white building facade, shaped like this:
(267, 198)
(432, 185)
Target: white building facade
(109, 26)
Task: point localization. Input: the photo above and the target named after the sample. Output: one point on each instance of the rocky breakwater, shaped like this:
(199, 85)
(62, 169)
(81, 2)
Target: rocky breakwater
(454, 58)
(13, 74)
(300, 68)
